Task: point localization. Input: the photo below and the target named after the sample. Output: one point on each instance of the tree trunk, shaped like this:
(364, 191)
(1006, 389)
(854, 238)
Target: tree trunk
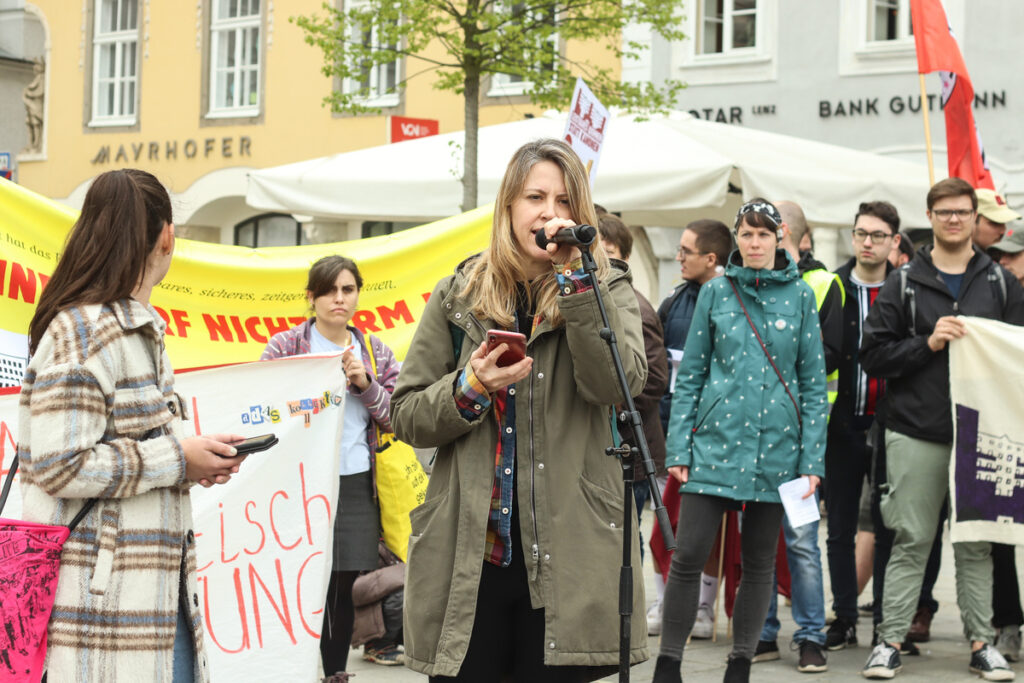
(471, 92)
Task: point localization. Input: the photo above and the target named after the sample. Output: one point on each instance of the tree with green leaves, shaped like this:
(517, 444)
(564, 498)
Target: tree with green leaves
(524, 40)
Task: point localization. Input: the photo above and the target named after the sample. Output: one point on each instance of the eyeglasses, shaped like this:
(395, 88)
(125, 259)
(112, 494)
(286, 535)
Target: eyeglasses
(876, 235)
(683, 252)
(947, 214)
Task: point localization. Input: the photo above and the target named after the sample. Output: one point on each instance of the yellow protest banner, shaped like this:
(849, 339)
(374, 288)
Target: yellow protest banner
(223, 303)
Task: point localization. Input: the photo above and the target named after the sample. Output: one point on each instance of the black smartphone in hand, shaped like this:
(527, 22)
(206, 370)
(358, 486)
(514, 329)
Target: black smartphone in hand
(254, 444)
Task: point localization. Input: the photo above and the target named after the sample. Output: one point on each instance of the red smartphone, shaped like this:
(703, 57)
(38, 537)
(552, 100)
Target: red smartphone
(516, 350)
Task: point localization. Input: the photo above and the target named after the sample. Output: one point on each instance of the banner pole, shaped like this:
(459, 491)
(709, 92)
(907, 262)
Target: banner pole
(927, 134)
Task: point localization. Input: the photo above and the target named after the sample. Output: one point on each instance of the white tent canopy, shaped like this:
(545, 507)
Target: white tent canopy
(666, 171)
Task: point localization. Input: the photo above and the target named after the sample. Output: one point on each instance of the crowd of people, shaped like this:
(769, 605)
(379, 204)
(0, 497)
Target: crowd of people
(762, 368)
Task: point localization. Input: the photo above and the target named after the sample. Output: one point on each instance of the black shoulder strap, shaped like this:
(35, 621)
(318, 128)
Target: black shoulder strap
(9, 479)
(907, 293)
(997, 279)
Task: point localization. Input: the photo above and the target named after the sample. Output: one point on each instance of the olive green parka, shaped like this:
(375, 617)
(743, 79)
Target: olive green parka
(570, 492)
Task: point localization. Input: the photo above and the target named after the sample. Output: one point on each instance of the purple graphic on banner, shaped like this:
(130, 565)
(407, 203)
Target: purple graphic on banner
(989, 473)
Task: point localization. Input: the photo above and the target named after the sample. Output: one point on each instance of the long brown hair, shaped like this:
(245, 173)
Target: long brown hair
(491, 280)
(106, 251)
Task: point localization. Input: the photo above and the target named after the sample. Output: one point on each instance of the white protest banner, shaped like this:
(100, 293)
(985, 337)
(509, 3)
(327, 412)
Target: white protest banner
(585, 127)
(264, 538)
(986, 472)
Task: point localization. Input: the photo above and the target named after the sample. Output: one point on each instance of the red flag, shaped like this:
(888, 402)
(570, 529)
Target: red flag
(937, 51)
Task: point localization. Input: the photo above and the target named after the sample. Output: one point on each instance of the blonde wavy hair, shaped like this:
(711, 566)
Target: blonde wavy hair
(492, 277)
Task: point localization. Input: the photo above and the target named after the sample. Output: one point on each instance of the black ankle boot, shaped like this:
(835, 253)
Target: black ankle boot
(666, 670)
(738, 670)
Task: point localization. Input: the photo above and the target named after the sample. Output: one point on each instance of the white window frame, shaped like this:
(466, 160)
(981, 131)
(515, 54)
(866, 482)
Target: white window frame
(728, 14)
(241, 26)
(733, 65)
(903, 32)
(860, 54)
(125, 42)
(504, 85)
(379, 97)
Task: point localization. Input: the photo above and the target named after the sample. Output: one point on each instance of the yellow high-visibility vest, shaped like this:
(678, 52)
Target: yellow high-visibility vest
(820, 281)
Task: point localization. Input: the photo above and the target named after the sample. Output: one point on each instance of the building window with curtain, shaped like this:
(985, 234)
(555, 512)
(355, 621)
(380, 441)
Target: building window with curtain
(235, 58)
(377, 85)
(727, 26)
(270, 230)
(889, 20)
(115, 62)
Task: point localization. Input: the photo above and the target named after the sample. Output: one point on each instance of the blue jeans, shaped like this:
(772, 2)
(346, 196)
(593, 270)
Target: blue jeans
(184, 652)
(807, 590)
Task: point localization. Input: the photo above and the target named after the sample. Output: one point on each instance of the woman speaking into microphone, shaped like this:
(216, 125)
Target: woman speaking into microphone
(514, 555)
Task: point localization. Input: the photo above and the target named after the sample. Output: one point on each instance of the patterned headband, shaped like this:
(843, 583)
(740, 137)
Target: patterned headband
(766, 209)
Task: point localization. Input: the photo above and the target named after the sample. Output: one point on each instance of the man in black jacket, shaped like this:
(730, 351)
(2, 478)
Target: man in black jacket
(905, 341)
(848, 456)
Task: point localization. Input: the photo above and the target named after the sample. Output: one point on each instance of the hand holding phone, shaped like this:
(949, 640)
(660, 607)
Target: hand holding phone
(516, 350)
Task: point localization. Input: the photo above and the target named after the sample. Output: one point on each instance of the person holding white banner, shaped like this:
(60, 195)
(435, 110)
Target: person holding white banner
(905, 341)
(332, 290)
(514, 556)
(100, 428)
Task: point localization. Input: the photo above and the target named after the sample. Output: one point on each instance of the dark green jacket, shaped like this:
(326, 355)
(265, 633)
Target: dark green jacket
(732, 421)
(569, 491)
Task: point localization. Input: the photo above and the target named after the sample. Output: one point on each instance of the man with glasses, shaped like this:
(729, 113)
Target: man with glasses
(944, 281)
(703, 251)
(848, 455)
(993, 215)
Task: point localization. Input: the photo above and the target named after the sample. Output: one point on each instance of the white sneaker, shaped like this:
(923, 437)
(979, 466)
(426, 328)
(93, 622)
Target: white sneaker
(654, 619)
(704, 626)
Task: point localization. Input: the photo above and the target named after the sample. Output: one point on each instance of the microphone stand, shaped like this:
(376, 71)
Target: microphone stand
(626, 456)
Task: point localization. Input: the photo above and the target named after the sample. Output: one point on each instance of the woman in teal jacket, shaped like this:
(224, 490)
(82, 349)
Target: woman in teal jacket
(748, 414)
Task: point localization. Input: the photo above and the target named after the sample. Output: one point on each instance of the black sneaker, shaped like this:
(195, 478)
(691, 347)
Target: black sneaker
(867, 608)
(990, 665)
(812, 658)
(766, 651)
(667, 670)
(737, 671)
(840, 634)
(884, 662)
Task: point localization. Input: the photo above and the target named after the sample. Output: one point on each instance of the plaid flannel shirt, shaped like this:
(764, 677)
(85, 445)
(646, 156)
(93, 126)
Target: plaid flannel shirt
(472, 400)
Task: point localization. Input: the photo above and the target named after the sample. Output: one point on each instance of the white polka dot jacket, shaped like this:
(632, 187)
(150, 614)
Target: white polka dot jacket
(732, 422)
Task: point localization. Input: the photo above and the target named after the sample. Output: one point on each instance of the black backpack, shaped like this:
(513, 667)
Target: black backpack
(908, 297)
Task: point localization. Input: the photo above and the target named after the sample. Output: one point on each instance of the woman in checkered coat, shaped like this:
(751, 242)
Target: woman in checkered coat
(99, 419)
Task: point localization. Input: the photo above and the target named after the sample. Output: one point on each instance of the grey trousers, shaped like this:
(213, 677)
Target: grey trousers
(699, 519)
(918, 481)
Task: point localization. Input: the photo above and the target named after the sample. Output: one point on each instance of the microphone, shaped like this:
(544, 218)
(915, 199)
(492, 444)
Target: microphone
(577, 236)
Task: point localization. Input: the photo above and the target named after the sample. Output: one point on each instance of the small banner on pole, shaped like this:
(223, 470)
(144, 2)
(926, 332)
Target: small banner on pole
(585, 127)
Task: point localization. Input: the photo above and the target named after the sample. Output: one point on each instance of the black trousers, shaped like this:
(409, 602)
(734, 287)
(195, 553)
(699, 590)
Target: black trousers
(1006, 609)
(847, 464)
(507, 642)
(339, 618)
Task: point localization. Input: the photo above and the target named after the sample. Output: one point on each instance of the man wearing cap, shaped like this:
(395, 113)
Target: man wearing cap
(993, 215)
(1009, 252)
